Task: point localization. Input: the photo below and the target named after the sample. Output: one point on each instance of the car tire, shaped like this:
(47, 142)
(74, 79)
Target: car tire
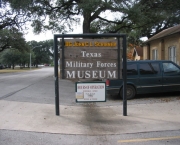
(130, 92)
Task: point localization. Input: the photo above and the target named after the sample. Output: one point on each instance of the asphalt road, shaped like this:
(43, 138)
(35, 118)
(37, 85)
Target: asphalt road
(37, 86)
(28, 86)
(10, 137)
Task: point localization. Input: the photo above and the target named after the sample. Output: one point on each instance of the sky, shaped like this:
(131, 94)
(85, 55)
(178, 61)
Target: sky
(38, 37)
(48, 35)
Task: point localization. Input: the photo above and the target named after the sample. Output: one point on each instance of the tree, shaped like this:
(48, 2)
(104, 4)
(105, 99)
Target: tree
(12, 15)
(158, 16)
(25, 58)
(12, 22)
(12, 38)
(62, 14)
(49, 50)
(145, 16)
(41, 51)
(11, 57)
(48, 47)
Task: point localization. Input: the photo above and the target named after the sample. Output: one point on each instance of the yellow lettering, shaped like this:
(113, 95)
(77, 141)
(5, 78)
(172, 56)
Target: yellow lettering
(82, 44)
(90, 44)
(66, 43)
(70, 44)
(114, 44)
(75, 44)
(86, 44)
(96, 43)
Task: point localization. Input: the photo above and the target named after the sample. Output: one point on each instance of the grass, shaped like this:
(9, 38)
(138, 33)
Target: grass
(16, 69)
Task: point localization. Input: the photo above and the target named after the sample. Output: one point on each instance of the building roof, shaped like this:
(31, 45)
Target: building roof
(166, 32)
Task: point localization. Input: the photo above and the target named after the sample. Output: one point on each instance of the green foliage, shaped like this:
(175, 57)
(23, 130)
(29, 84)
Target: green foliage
(14, 14)
(12, 39)
(144, 17)
(158, 15)
(42, 51)
(11, 57)
(19, 4)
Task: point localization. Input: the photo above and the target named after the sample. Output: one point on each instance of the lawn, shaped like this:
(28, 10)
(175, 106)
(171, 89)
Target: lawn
(16, 69)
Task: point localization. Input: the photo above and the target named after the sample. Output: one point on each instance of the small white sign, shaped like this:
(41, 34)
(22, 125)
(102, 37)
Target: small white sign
(90, 92)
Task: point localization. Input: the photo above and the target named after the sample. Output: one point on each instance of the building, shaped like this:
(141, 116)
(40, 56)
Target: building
(137, 53)
(164, 45)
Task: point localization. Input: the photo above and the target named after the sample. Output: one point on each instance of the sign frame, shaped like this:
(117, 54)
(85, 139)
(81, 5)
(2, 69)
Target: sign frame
(90, 35)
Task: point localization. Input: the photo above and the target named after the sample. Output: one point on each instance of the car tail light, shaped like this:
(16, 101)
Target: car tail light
(107, 82)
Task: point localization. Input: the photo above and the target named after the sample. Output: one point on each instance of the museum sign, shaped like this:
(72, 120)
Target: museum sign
(89, 59)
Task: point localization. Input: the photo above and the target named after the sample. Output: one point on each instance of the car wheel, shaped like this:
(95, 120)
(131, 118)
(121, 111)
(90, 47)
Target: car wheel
(130, 92)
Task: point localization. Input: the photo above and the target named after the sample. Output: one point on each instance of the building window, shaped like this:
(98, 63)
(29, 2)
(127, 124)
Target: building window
(172, 53)
(154, 54)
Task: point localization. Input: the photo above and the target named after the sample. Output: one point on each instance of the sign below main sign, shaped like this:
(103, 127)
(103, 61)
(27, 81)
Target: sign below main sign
(90, 92)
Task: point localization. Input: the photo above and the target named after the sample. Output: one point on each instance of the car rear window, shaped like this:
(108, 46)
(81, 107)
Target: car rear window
(170, 68)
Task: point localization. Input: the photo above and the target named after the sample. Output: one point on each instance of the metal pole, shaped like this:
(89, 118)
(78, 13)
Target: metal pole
(124, 78)
(30, 61)
(56, 76)
(62, 56)
(119, 58)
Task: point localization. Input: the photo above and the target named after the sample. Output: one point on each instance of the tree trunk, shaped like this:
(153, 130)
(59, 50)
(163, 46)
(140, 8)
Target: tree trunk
(86, 26)
(86, 22)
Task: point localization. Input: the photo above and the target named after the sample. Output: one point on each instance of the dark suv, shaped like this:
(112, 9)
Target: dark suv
(147, 76)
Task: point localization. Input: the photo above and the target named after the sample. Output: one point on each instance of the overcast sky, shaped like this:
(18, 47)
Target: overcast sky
(48, 35)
